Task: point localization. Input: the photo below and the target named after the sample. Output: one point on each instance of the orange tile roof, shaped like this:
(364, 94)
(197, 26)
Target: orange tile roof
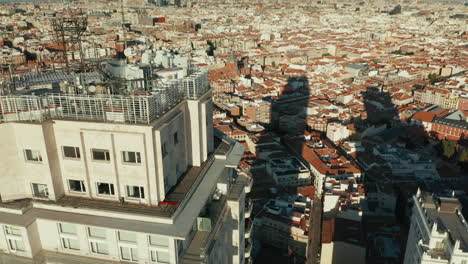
(424, 116)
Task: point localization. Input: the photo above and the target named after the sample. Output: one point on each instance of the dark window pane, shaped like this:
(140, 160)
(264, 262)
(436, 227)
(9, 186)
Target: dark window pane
(71, 152)
(101, 154)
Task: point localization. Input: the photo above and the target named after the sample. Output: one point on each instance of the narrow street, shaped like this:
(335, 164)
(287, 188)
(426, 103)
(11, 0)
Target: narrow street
(315, 234)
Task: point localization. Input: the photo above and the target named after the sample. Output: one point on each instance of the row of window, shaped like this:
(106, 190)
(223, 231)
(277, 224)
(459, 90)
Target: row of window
(41, 190)
(71, 152)
(74, 153)
(128, 250)
(97, 238)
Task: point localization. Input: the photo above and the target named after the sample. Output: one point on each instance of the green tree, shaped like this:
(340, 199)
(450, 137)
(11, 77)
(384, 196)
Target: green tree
(449, 148)
(211, 48)
(326, 54)
(433, 78)
(463, 155)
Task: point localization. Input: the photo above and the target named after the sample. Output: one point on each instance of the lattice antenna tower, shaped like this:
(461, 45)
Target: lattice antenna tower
(69, 28)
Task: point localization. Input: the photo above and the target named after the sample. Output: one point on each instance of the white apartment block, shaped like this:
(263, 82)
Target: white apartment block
(438, 233)
(403, 162)
(101, 189)
(337, 132)
(284, 224)
(288, 172)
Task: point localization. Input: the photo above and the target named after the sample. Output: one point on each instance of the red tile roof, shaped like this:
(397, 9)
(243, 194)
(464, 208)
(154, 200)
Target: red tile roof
(424, 116)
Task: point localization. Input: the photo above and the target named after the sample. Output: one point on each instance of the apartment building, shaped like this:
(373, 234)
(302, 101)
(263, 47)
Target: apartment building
(403, 163)
(463, 102)
(120, 179)
(437, 96)
(288, 171)
(337, 132)
(259, 111)
(324, 162)
(444, 126)
(438, 232)
(449, 129)
(284, 224)
(317, 124)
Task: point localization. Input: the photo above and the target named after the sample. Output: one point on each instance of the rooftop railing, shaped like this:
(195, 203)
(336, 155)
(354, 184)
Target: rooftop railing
(138, 109)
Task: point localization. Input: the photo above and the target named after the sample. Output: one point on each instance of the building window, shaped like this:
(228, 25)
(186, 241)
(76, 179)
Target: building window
(68, 235)
(128, 253)
(159, 256)
(105, 188)
(71, 152)
(13, 231)
(97, 241)
(127, 236)
(32, 155)
(164, 150)
(176, 138)
(14, 238)
(180, 246)
(76, 186)
(135, 192)
(66, 228)
(159, 241)
(16, 244)
(99, 247)
(70, 243)
(101, 154)
(131, 157)
(95, 232)
(40, 190)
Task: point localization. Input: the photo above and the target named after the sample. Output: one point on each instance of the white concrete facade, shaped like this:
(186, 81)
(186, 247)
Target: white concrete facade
(436, 236)
(75, 191)
(288, 172)
(165, 149)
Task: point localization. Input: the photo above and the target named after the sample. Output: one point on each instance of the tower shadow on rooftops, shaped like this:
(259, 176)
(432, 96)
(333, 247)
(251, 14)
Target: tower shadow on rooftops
(384, 131)
(287, 122)
(379, 125)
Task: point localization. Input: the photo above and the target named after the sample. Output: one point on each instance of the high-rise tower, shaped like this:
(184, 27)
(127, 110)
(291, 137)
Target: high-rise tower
(98, 178)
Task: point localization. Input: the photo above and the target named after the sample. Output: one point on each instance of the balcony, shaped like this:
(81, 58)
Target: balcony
(248, 208)
(248, 228)
(246, 179)
(208, 227)
(248, 248)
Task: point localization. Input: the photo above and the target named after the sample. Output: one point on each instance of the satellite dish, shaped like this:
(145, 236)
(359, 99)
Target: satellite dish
(128, 52)
(92, 89)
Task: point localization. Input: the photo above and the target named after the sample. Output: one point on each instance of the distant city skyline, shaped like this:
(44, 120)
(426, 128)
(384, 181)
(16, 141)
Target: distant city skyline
(234, 132)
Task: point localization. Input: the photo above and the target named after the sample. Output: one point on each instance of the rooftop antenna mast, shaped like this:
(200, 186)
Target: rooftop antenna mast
(124, 31)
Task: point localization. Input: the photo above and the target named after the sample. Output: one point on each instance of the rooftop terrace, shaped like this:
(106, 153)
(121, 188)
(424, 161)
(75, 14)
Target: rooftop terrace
(138, 109)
